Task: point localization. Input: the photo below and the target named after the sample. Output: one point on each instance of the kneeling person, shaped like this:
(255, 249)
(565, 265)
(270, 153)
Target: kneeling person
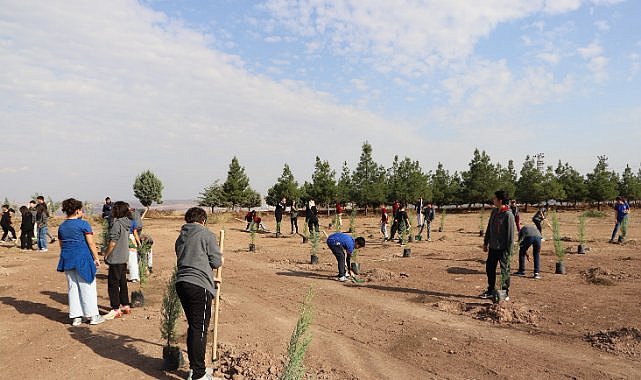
(338, 243)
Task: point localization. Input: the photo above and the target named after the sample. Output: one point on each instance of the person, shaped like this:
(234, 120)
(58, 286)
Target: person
(278, 213)
(32, 209)
(42, 218)
(26, 229)
(540, 216)
(106, 209)
(79, 261)
(418, 207)
(401, 223)
(384, 220)
(529, 236)
(428, 215)
(312, 223)
(249, 218)
(197, 253)
(339, 215)
(147, 239)
(136, 215)
(498, 243)
(622, 209)
(342, 246)
(293, 217)
(257, 223)
(117, 257)
(134, 243)
(40, 200)
(515, 211)
(6, 224)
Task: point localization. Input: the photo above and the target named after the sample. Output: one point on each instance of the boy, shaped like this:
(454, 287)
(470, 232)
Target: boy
(428, 213)
(5, 223)
(41, 201)
(529, 236)
(197, 253)
(278, 213)
(622, 210)
(384, 219)
(498, 243)
(338, 243)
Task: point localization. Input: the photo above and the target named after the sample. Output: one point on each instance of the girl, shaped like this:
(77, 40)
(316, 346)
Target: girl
(26, 229)
(117, 256)
(79, 260)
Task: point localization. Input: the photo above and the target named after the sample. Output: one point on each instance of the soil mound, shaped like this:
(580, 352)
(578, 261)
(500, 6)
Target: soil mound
(381, 275)
(624, 341)
(249, 364)
(451, 306)
(509, 313)
(600, 276)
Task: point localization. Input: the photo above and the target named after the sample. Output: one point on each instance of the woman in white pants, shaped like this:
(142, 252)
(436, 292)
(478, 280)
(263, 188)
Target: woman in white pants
(79, 260)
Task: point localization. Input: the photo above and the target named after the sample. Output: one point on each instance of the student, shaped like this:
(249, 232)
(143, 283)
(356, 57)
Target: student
(278, 213)
(339, 214)
(134, 243)
(117, 256)
(428, 214)
(384, 220)
(41, 201)
(515, 211)
(42, 218)
(6, 224)
(540, 216)
(498, 243)
(26, 229)
(197, 254)
(529, 236)
(79, 260)
(340, 243)
(106, 209)
(293, 217)
(622, 209)
(249, 218)
(401, 222)
(312, 223)
(418, 207)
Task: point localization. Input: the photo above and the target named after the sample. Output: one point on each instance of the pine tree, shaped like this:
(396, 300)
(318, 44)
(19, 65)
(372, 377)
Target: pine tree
(480, 181)
(285, 186)
(507, 178)
(212, 196)
(552, 187)
(529, 186)
(630, 185)
(236, 188)
(344, 185)
(323, 188)
(407, 182)
(368, 180)
(572, 182)
(148, 189)
(602, 183)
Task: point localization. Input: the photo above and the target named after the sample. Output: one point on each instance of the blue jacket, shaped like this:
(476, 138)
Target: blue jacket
(344, 240)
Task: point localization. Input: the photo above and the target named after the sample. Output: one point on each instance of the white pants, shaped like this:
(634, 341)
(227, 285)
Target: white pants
(150, 258)
(83, 296)
(132, 265)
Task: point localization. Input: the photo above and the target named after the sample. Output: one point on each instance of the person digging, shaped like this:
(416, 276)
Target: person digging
(498, 243)
(342, 246)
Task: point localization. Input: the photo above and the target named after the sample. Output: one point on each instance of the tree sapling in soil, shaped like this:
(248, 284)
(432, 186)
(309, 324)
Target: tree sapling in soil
(315, 238)
(299, 342)
(441, 228)
(169, 314)
(558, 244)
(582, 235)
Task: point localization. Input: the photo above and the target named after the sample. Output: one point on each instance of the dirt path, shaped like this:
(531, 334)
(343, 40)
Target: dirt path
(414, 317)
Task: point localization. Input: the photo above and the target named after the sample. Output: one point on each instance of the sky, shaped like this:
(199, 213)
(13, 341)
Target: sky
(92, 92)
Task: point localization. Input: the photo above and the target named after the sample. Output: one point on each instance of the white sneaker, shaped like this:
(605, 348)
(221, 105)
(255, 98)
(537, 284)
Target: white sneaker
(76, 321)
(342, 279)
(96, 320)
(115, 313)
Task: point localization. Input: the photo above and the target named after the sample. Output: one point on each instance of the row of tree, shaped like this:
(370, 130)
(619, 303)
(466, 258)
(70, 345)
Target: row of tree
(371, 184)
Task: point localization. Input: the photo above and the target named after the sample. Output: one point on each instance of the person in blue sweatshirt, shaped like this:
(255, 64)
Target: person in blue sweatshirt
(622, 209)
(342, 246)
(197, 254)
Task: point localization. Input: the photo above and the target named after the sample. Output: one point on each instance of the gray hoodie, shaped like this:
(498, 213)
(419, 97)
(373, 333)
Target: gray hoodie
(197, 253)
(500, 230)
(119, 233)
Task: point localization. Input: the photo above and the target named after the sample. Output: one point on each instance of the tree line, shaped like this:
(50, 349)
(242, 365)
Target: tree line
(371, 183)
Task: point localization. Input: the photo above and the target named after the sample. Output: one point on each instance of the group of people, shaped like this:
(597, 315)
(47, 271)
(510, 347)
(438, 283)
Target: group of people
(400, 219)
(33, 226)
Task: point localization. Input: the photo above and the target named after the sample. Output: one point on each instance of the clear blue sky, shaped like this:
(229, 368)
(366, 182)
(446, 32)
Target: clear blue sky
(93, 92)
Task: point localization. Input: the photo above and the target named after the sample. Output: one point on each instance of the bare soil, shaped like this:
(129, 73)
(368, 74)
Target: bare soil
(411, 318)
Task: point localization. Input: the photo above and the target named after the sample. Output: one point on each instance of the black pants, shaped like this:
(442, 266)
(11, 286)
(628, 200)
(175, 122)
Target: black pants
(497, 256)
(394, 230)
(117, 285)
(26, 239)
(196, 302)
(342, 259)
(313, 225)
(537, 223)
(294, 222)
(6, 230)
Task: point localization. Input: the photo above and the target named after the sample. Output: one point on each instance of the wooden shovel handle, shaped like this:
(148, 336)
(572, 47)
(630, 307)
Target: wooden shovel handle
(219, 273)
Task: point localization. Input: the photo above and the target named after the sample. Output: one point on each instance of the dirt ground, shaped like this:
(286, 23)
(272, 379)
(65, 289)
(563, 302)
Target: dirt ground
(412, 318)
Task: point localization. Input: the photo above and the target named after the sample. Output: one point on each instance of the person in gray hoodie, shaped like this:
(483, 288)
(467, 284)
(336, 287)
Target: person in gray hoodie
(499, 243)
(117, 255)
(197, 254)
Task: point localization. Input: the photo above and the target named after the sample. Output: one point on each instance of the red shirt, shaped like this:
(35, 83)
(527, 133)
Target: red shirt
(383, 215)
(339, 209)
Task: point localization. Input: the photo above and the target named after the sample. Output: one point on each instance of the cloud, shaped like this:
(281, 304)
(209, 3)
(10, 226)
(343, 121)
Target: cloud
(596, 61)
(14, 170)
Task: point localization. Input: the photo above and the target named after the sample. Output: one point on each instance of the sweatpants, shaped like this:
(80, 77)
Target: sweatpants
(6, 230)
(196, 303)
(26, 239)
(342, 259)
(497, 256)
(117, 285)
(83, 297)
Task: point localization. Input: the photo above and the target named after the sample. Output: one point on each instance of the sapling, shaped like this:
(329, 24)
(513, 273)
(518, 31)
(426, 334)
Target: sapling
(556, 236)
(169, 315)
(442, 226)
(252, 236)
(402, 232)
(299, 342)
(314, 243)
(482, 221)
(352, 222)
(582, 236)
(104, 235)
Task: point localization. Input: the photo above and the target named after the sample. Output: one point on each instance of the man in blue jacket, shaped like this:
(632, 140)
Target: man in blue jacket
(339, 243)
(622, 210)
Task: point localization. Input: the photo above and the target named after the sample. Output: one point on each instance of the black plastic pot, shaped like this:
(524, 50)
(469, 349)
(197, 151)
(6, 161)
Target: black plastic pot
(407, 252)
(172, 358)
(313, 259)
(356, 268)
(560, 268)
(581, 249)
(440, 229)
(410, 239)
(252, 247)
(481, 233)
(137, 298)
(304, 239)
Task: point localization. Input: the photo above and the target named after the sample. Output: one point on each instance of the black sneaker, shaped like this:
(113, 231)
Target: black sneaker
(519, 273)
(486, 295)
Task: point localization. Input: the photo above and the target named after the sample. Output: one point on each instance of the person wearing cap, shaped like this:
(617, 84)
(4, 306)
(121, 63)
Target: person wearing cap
(498, 243)
(342, 246)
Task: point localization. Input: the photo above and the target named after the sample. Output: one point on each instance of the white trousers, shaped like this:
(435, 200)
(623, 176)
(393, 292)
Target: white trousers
(150, 258)
(132, 265)
(83, 296)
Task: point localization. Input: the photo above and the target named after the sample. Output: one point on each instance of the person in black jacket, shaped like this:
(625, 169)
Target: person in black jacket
(278, 213)
(5, 223)
(499, 243)
(26, 229)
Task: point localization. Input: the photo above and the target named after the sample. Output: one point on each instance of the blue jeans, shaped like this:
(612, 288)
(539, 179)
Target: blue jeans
(616, 228)
(528, 241)
(42, 238)
(342, 258)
